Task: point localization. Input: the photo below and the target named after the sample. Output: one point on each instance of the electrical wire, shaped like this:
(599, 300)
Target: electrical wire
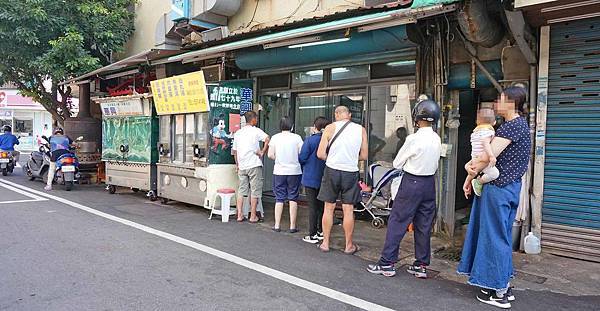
(253, 15)
(287, 18)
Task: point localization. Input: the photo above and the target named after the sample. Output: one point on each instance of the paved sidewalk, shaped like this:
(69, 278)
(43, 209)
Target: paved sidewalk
(543, 272)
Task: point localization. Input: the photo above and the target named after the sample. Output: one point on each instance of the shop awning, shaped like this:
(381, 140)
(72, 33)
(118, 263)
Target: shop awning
(373, 21)
(143, 57)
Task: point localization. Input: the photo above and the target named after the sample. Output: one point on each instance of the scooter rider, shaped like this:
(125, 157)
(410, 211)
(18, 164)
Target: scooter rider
(8, 142)
(59, 145)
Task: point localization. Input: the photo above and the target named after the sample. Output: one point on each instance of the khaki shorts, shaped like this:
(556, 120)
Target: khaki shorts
(251, 182)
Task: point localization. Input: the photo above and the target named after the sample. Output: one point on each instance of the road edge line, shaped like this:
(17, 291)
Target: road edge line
(282, 276)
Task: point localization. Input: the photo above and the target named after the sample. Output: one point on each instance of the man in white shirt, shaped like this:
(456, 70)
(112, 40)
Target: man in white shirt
(342, 146)
(247, 154)
(287, 172)
(415, 200)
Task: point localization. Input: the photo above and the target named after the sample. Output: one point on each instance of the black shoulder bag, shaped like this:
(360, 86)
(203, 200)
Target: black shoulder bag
(336, 136)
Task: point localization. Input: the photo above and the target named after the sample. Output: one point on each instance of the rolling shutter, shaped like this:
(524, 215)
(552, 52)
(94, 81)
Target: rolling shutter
(571, 208)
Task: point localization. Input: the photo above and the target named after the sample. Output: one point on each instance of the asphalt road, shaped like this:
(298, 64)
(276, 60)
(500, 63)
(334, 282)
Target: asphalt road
(88, 250)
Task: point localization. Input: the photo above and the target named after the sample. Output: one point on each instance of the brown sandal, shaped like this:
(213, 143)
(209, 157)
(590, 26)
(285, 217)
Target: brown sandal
(352, 252)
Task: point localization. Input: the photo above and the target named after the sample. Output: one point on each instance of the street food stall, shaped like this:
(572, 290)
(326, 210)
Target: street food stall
(197, 123)
(129, 137)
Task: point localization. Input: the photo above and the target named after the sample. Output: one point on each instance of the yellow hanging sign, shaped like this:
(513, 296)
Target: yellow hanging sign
(180, 94)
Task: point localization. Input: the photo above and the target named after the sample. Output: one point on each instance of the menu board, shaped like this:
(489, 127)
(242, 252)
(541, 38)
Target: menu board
(180, 94)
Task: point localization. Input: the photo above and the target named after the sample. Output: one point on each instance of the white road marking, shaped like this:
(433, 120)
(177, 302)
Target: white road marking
(313, 287)
(34, 198)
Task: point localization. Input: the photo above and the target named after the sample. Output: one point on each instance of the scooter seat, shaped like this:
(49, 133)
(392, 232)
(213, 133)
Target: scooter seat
(37, 156)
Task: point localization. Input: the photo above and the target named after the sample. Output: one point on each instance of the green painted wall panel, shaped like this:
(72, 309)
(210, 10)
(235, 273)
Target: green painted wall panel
(139, 133)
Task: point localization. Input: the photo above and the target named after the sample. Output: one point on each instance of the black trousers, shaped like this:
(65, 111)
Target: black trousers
(315, 211)
(415, 202)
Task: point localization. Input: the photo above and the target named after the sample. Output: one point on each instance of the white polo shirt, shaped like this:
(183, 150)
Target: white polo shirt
(246, 144)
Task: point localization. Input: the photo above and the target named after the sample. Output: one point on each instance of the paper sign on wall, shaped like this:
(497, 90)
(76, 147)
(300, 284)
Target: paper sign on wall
(180, 94)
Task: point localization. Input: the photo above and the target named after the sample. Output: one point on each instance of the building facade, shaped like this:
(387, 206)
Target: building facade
(377, 57)
(28, 119)
(567, 171)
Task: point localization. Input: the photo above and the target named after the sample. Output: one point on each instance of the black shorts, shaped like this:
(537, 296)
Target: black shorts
(54, 155)
(339, 184)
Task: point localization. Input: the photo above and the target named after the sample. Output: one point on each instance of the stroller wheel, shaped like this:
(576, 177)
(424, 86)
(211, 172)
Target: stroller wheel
(378, 222)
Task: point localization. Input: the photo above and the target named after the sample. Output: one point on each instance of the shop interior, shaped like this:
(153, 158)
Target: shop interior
(380, 96)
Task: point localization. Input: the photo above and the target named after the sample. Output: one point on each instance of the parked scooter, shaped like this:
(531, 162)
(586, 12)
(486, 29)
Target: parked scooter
(67, 166)
(7, 162)
(38, 164)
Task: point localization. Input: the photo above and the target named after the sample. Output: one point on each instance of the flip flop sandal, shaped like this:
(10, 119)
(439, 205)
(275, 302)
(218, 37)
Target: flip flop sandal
(352, 252)
(253, 221)
(241, 220)
(322, 250)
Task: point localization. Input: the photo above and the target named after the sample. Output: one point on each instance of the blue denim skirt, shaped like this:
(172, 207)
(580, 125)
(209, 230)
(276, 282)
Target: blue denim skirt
(487, 251)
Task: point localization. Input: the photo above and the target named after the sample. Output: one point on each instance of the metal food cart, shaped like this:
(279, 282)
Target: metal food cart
(197, 122)
(129, 137)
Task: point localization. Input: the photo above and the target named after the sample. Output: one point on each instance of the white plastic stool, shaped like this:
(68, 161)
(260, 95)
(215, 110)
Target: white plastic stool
(225, 211)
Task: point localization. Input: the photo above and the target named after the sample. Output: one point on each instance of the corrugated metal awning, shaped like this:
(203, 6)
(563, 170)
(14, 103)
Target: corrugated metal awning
(400, 16)
(146, 56)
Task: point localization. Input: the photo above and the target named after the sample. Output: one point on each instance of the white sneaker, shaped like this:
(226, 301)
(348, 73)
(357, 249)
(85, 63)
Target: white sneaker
(48, 188)
(320, 236)
(311, 239)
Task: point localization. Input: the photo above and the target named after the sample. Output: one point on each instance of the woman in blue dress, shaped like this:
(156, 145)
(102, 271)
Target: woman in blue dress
(487, 251)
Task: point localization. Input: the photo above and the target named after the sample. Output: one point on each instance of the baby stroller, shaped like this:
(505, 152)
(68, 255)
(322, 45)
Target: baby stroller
(378, 202)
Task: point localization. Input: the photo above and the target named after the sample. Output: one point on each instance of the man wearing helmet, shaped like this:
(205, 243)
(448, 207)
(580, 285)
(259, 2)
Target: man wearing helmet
(8, 142)
(59, 145)
(415, 200)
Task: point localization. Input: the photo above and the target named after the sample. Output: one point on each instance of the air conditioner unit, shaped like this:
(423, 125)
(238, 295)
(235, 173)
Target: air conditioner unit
(212, 73)
(216, 33)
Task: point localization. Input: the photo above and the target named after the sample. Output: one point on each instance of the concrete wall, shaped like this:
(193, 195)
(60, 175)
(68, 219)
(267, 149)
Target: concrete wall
(148, 14)
(276, 12)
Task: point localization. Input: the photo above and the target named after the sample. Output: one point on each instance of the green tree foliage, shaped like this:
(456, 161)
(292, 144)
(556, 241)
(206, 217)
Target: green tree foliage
(43, 41)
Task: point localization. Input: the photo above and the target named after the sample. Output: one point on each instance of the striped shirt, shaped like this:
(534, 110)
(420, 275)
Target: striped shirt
(480, 133)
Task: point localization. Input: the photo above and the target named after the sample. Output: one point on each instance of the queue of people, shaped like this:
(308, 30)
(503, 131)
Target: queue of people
(327, 165)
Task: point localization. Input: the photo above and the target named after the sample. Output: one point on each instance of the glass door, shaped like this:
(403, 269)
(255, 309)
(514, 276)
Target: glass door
(355, 101)
(308, 107)
(275, 106)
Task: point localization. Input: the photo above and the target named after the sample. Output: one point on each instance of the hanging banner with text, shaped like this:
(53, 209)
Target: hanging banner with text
(233, 94)
(228, 100)
(180, 94)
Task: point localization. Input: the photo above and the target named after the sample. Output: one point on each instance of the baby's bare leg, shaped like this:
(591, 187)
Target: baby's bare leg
(478, 164)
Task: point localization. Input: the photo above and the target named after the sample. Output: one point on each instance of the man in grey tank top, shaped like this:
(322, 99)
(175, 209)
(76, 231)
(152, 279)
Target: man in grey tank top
(342, 146)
